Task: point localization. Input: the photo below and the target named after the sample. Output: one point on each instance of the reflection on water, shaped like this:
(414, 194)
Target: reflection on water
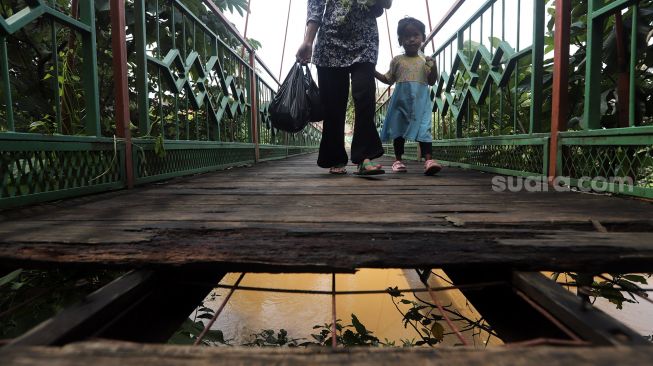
(249, 312)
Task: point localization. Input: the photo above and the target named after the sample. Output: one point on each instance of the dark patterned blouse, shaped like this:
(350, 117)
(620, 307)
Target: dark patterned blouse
(348, 33)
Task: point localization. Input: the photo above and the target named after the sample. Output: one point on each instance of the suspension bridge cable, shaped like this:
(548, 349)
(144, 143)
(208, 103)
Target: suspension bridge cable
(285, 37)
(428, 14)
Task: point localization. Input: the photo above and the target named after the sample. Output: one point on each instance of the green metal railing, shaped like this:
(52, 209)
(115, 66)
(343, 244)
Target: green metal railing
(195, 97)
(615, 139)
(59, 96)
(483, 117)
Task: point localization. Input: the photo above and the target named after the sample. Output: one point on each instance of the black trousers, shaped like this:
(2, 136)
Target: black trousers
(334, 90)
(399, 142)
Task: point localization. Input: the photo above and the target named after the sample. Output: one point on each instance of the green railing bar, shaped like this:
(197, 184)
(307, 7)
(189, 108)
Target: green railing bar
(65, 139)
(480, 116)
(537, 74)
(90, 70)
(6, 83)
(503, 36)
(71, 22)
(523, 139)
(141, 67)
(633, 65)
(24, 17)
(592, 106)
(159, 55)
(609, 140)
(174, 46)
(27, 15)
(55, 79)
(489, 104)
(611, 8)
(516, 98)
(459, 122)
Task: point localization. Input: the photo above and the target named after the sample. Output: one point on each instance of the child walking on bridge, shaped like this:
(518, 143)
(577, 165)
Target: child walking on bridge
(409, 111)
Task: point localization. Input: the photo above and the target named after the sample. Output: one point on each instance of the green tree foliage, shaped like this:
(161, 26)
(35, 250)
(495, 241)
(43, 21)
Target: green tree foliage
(28, 297)
(46, 58)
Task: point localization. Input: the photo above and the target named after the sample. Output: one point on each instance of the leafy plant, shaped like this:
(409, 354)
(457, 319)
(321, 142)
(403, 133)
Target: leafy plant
(29, 296)
(191, 329)
(421, 318)
(354, 334)
(616, 288)
(268, 338)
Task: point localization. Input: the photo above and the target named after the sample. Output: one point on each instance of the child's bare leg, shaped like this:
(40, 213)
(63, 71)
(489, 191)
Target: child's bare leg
(398, 144)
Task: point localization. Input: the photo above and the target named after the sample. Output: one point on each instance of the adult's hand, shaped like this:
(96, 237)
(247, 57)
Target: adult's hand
(305, 52)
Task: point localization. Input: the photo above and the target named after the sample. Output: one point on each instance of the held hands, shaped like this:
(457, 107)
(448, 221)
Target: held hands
(432, 70)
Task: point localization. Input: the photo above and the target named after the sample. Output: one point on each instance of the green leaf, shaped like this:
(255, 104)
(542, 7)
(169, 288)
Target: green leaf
(437, 331)
(360, 328)
(636, 278)
(10, 277)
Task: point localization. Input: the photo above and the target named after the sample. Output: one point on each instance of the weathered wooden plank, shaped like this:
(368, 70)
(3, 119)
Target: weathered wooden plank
(588, 322)
(144, 306)
(127, 354)
(260, 250)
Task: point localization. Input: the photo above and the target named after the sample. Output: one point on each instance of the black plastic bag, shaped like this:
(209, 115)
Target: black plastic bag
(290, 109)
(314, 100)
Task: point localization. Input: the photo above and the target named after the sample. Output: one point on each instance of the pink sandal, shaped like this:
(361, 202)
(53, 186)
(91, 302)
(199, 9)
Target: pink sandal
(399, 167)
(431, 167)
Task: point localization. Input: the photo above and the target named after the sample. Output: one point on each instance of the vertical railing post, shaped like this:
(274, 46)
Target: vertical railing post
(559, 104)
(592, 106)
(90, 69)
(538, 66)
(461, 45)
(632, 100)
(6, 83)
(141, 67)
(121, 88)
(253, 100)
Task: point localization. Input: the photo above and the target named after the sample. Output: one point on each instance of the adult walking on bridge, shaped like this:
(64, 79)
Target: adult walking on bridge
(346, 48)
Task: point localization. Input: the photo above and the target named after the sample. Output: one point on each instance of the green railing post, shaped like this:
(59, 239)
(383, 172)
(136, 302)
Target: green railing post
(592, 106)
(141, 68)
(91, 82)
(6, 83)
(538, 67)
(633, 65)
(253, 102)
(461, 45)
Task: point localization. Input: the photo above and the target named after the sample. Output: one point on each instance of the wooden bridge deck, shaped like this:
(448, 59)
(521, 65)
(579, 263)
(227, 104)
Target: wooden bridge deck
(291, 216)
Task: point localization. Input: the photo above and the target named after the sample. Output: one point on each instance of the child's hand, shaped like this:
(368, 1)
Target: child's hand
(430, 62)
(432, 70)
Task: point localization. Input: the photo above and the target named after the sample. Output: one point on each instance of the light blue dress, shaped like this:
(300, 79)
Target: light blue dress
(410, 109)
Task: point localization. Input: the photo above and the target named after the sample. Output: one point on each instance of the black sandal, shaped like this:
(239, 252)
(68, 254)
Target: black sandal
(363, 169)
